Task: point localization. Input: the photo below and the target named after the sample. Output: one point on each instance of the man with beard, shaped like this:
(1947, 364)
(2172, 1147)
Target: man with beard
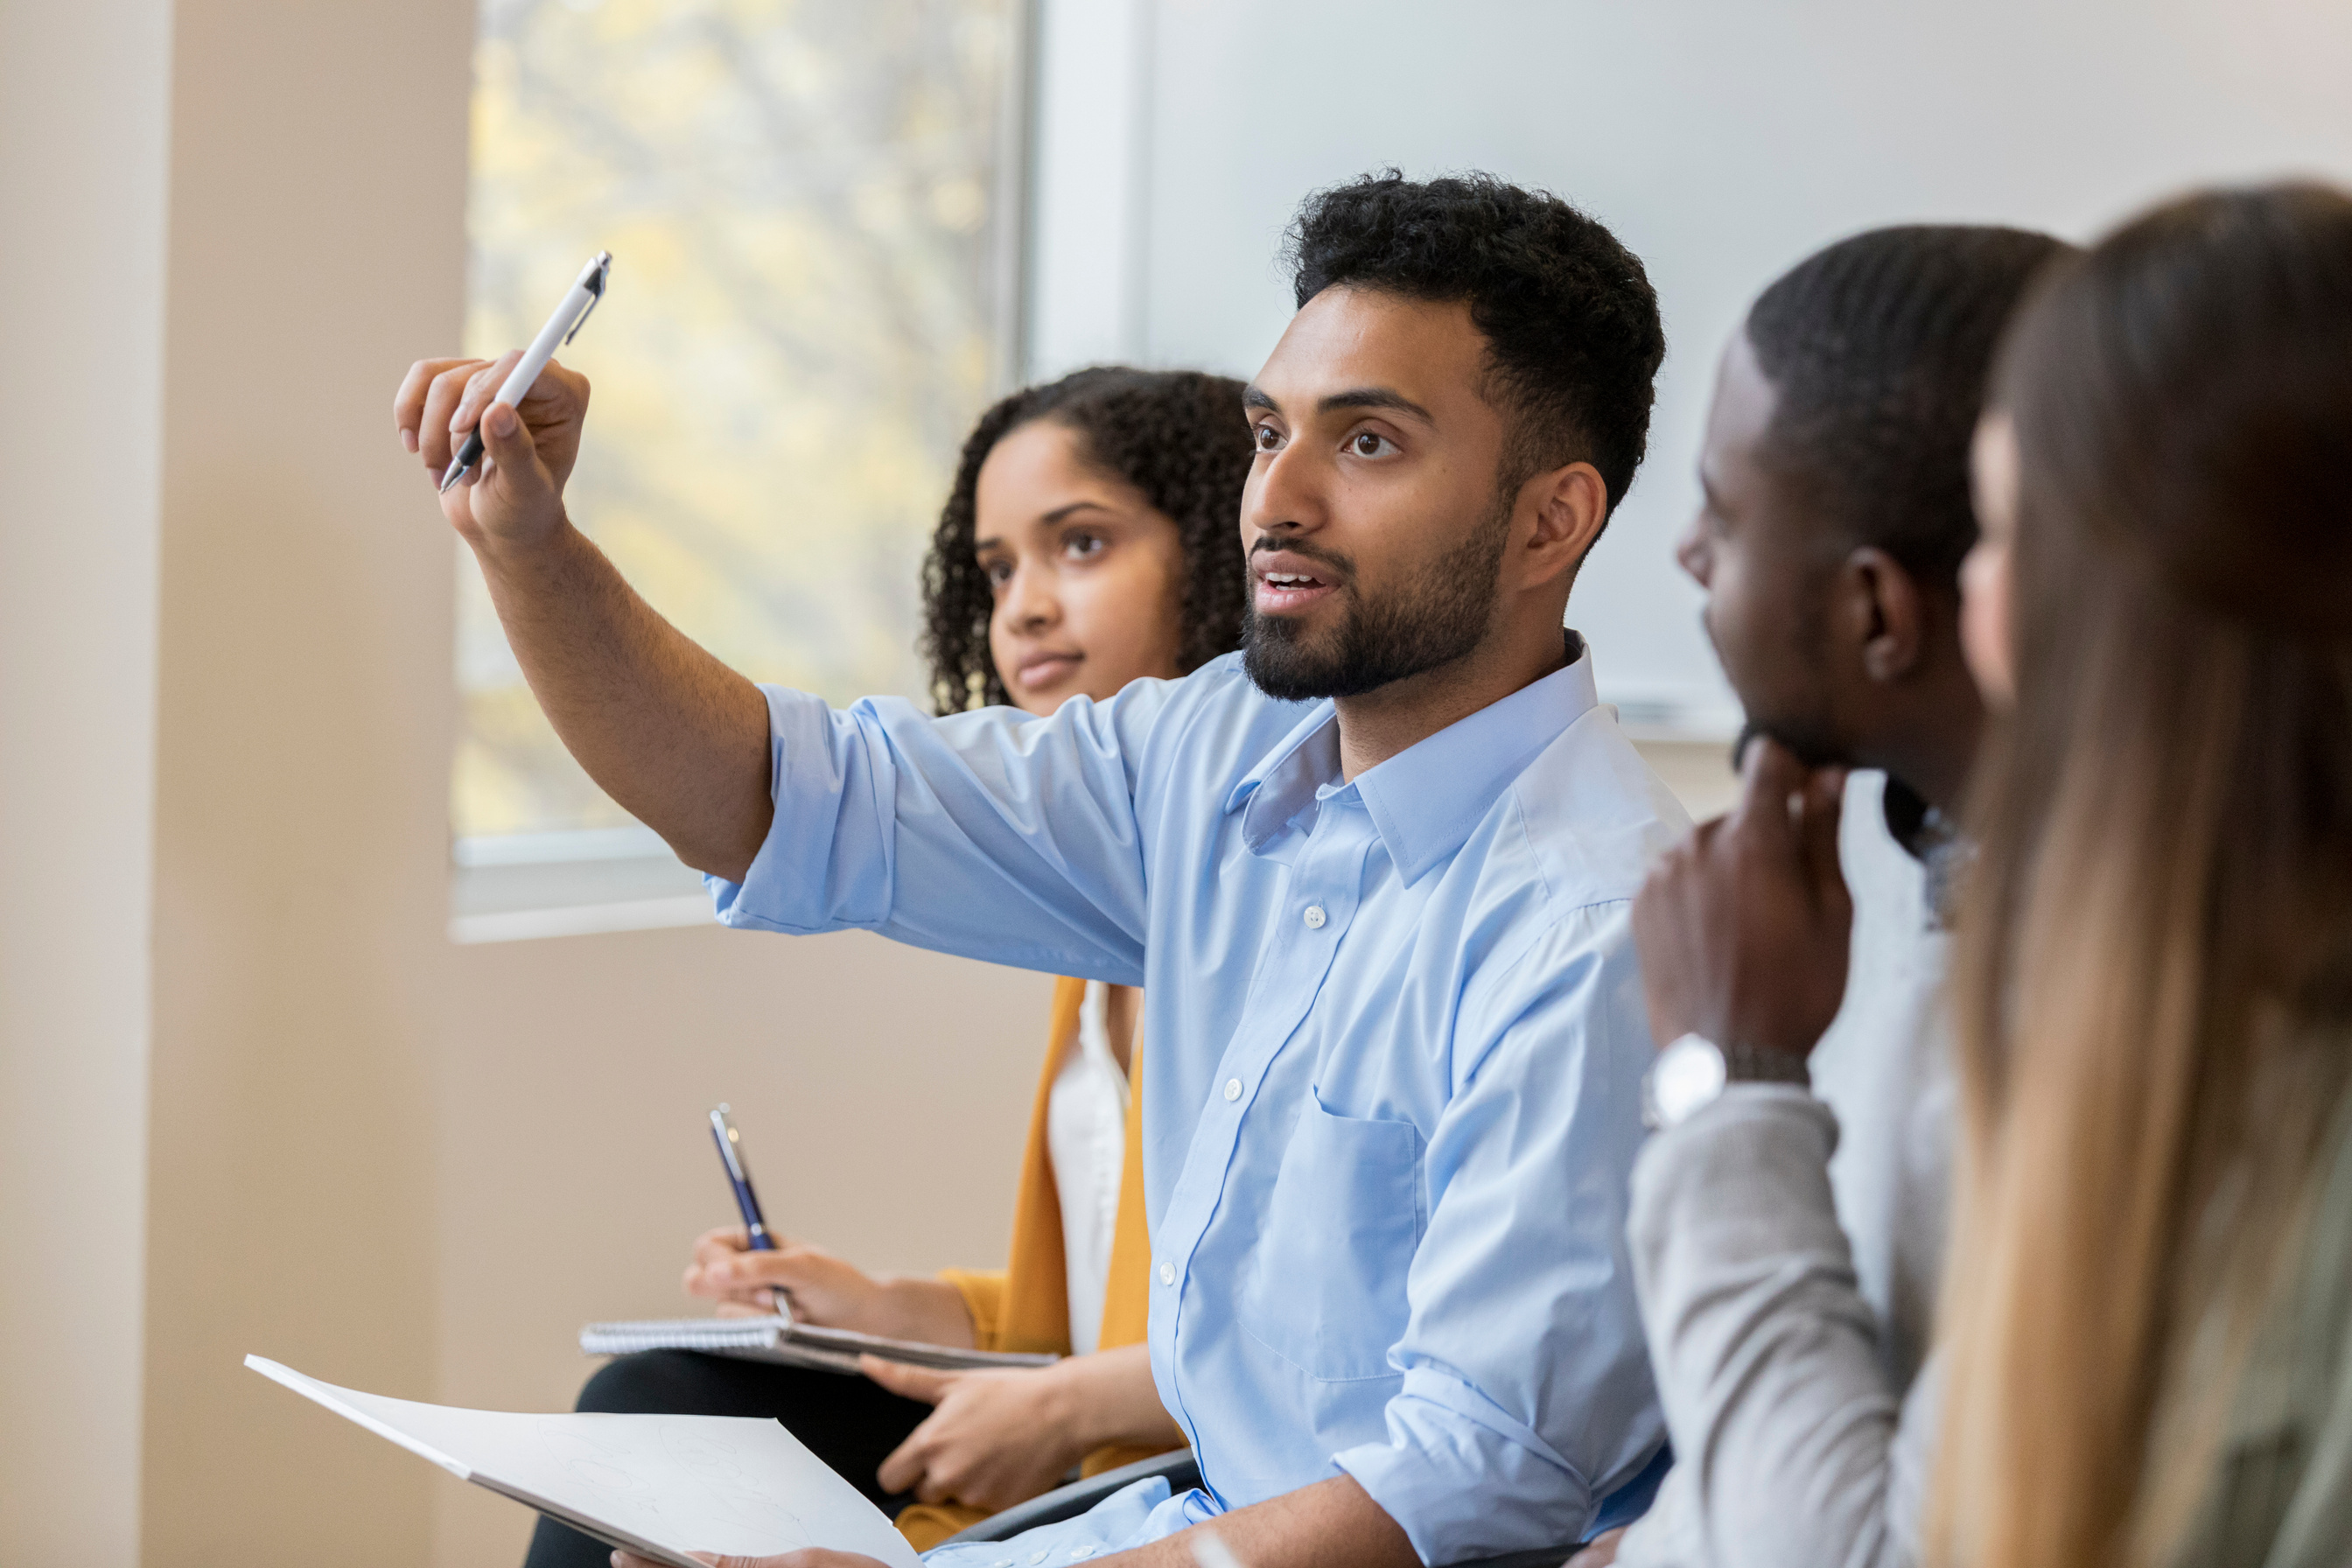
(1789, 1293)
(1374, 875)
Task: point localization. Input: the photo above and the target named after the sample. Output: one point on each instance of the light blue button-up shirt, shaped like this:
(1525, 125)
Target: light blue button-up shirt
(1389, 1100)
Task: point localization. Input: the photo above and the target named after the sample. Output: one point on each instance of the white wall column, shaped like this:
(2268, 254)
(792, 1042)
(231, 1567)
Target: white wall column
(84, 95)
(1089, 199)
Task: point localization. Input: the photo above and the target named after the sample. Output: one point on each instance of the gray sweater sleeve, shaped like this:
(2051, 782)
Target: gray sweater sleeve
(1791, 1446)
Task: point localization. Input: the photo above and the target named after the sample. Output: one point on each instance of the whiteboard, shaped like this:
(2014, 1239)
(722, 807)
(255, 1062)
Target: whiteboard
(1722, 141)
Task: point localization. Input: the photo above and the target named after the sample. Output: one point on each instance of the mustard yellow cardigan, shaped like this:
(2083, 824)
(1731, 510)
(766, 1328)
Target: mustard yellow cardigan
(1025, 1306)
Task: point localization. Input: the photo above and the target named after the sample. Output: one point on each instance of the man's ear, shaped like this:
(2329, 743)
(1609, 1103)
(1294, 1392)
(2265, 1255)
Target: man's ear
(1569, 506)
(1888, 611)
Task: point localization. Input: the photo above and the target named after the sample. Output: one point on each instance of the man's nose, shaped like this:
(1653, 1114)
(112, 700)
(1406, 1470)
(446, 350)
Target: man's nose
(1692, 554)
(1282, 496)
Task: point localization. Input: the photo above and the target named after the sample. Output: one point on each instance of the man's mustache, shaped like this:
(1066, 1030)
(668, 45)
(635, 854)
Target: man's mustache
(1345, 568)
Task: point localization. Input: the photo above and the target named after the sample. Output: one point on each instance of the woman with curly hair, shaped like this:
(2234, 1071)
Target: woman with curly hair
(1090, 540)
(1175, 445)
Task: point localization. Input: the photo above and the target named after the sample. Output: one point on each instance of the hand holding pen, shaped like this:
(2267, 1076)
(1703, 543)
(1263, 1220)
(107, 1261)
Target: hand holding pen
(526, 411)
(749, 1272)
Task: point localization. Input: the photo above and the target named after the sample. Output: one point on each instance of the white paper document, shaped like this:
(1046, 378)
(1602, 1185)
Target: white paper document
(661, 1486)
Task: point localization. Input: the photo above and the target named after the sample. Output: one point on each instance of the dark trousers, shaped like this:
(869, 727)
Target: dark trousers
(848, 1422)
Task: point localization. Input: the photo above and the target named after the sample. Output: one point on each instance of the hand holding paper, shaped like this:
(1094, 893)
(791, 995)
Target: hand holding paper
(659, 1486)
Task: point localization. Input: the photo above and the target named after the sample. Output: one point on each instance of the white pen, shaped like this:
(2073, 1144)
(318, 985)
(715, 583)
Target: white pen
(561, 329)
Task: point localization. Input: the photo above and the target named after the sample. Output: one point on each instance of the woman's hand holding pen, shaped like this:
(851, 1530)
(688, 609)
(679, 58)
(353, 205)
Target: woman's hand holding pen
(513, 499)
(824, 1292)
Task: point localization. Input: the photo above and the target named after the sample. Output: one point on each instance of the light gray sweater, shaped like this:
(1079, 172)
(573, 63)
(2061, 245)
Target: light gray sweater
(1788, 1278)
(1787, 1274)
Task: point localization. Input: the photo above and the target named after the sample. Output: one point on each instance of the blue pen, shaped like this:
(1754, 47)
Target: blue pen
(731, 1152)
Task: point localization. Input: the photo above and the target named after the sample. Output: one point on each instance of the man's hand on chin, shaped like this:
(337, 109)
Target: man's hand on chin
(813, 1557)
(1745, 927)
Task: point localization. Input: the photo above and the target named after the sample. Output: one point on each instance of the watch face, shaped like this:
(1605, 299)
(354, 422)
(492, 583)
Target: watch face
(1687, 1074)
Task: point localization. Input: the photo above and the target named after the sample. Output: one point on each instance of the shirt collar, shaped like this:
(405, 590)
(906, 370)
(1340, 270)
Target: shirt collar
(1424, 801)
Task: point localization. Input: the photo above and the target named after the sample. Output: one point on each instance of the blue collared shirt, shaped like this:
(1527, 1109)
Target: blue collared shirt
(1390, 1097)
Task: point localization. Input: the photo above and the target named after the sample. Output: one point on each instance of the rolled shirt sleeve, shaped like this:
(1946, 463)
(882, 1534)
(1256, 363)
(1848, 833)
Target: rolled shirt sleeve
(1527, 1396)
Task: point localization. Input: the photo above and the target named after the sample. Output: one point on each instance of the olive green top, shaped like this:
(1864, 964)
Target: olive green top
(1794, 1446)
(2281, 1494)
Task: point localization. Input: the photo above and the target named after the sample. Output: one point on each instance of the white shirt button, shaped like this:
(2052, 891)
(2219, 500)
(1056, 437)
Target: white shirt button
(1040, 1557)
(1233, 1089)
(1167, 1274)
(1315, 917)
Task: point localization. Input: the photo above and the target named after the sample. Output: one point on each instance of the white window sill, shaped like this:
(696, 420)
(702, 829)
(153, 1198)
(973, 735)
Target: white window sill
(1674, 722)
(521, 886)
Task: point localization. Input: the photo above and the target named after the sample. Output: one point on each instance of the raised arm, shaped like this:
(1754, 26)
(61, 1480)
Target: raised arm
(679, 740)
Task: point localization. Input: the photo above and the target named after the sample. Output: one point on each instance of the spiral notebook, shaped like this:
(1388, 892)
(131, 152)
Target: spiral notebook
(779, 1339)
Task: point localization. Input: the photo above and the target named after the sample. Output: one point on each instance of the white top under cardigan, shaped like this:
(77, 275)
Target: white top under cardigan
(1086, 1139)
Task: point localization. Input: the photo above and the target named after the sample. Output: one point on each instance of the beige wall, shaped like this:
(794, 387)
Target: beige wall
(1699, 771)
(317, 164)
(82, 255)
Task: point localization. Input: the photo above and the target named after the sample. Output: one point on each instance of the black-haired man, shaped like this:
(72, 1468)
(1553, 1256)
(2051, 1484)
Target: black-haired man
(1375, 877)
(1836, 516)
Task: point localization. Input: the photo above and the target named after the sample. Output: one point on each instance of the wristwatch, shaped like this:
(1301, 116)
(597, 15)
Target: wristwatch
(1692, 1071)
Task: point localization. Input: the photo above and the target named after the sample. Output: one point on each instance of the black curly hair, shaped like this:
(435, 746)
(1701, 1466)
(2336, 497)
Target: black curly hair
(1177, 436)
(1571, 324)
(1878, 348)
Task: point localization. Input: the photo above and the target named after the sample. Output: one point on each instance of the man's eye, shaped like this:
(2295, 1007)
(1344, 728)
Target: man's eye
(1268, 439)
(1370, 444)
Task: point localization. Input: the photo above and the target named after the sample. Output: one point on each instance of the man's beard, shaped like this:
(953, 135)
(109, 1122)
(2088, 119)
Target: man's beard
(1378, 642)
(1802, 725)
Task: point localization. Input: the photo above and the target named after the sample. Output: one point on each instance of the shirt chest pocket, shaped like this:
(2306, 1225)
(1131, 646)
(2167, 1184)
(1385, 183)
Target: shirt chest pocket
(1326, 1286)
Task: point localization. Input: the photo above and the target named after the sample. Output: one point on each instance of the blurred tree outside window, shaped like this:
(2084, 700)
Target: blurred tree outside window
(802, 200)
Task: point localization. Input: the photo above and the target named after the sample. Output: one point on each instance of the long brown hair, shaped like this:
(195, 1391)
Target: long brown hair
(2153, 979)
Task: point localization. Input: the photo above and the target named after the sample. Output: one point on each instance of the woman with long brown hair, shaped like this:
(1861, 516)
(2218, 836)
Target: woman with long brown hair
(2148, 1331)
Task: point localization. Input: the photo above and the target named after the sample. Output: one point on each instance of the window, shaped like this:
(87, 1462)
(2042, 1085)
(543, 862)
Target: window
(806, 204)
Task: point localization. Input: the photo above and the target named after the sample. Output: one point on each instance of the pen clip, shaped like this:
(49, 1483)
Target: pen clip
(724, 1131)
(599, 273)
